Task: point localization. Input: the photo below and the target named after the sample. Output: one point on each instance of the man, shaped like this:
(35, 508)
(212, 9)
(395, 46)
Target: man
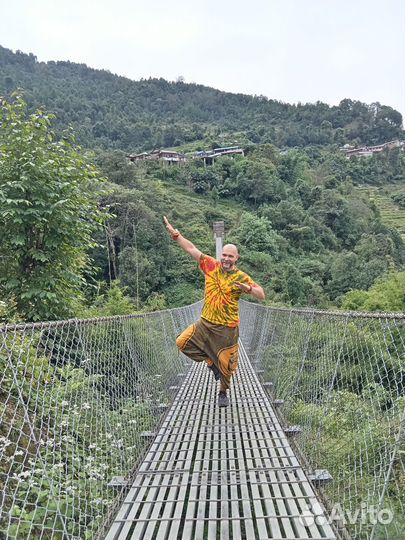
(214, 338)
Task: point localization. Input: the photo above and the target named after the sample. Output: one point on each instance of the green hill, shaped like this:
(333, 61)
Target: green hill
(109, 111)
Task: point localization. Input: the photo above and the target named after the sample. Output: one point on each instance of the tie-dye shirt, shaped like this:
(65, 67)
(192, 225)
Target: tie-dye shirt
(221, 296)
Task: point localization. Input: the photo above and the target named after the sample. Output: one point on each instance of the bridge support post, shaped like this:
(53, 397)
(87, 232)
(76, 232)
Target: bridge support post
(219, 233)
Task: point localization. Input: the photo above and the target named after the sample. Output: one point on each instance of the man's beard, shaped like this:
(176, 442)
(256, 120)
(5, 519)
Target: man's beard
(226, 265)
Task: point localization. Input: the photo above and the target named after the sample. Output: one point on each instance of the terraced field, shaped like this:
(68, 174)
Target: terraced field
(392, 214)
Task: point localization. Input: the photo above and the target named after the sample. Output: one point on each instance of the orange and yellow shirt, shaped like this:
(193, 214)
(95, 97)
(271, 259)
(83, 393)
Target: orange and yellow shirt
(221, 295)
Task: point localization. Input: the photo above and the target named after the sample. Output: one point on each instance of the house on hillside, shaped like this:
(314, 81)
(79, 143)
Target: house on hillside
(366, 151)
(209, 156)
(170, 157)
(229, 151)
(167, 156)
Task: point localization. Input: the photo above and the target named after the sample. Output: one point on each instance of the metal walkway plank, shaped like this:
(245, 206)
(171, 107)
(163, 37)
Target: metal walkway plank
(219, 474)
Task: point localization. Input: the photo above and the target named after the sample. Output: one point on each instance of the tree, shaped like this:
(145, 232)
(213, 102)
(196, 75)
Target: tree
(296, 286)
(344, 273)
(387, 294)
(48, 214)
(258, 182)
(257, 234)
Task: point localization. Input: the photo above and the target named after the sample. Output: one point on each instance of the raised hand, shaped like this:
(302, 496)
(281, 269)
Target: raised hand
(170, 229)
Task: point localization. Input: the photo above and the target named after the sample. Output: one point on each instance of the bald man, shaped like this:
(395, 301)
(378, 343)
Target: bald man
(214, 338)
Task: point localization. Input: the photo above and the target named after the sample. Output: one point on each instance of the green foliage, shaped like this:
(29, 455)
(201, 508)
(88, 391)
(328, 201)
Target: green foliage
(256, 234)
(107, 111)
(387, 294)
(399, 198)
(49, 211)
(109, 302)
(155, 302)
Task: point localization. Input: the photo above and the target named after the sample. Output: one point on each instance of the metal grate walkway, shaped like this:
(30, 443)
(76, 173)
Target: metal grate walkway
(220, 474)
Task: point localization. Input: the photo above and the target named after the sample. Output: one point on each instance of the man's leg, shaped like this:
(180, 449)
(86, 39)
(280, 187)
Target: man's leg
(228, 363)
(216, 345)
(188, 342)
(211, 365)
(191, 342)
(222, 347)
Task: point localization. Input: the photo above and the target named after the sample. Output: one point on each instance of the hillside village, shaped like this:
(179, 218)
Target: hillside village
(175, 158)
(367, 151)
(172, 157)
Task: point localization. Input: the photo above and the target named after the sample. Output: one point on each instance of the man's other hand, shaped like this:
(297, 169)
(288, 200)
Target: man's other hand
(245, 288)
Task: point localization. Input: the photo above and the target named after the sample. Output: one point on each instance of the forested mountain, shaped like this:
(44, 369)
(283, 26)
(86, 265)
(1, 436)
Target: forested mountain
(109, 111)
(312, 225)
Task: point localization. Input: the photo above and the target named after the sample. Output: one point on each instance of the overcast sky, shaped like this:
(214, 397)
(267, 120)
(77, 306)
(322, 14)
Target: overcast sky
(290, 50)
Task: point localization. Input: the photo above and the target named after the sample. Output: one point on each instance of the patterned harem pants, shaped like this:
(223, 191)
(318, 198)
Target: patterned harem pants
(216, 344)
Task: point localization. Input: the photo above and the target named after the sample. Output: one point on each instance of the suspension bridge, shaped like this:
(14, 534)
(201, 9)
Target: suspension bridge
(107, 432)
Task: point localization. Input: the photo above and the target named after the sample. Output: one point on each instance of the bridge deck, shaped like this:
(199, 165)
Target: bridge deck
(220, 474)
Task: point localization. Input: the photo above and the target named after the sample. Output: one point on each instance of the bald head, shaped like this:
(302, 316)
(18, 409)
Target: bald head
(229, 257)
(231, 248)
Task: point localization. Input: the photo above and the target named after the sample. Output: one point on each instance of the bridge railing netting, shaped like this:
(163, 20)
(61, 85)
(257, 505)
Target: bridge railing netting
(342, 379)
(76, 398)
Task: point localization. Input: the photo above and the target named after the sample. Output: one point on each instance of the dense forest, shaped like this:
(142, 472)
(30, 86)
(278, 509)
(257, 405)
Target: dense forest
(311, 224)
(109, 111)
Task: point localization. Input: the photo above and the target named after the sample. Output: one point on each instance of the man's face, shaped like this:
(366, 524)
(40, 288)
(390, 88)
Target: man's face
(229, 257)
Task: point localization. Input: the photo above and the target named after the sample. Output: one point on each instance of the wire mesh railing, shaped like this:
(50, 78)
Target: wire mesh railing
(76, 399)
(342, 379)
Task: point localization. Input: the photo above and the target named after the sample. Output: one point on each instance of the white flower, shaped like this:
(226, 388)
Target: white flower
(86, 406)
(64, 403)
(118, 444)
(5, 442)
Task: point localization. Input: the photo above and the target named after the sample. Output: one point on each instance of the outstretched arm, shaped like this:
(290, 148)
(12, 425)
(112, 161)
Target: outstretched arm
(183, 242)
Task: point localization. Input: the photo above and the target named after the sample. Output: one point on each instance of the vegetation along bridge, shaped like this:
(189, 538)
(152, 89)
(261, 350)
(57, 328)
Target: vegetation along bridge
(106, 432)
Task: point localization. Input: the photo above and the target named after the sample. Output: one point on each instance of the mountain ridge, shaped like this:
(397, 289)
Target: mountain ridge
(112, 111)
